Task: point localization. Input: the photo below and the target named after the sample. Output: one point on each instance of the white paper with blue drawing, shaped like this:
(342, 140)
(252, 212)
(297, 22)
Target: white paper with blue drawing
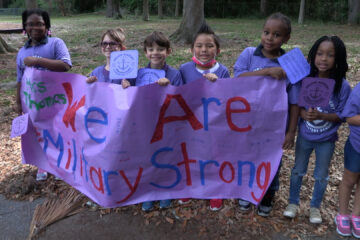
(148, 75)
(124, 64)
(295, 65)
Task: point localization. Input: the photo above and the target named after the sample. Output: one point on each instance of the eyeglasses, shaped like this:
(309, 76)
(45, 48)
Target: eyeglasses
(36, 24)
(110, 44)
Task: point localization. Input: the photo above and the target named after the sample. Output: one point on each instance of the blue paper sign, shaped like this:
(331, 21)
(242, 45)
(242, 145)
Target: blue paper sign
(19, 125)
(295, 65)
(124, 64)
(148, 75)
(316, 92)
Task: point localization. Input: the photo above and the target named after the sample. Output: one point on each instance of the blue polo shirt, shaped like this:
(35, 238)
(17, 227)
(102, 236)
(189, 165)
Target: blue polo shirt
(172, 74)
(252, 59)
(190, 73)
(49, 47)
(351, 109)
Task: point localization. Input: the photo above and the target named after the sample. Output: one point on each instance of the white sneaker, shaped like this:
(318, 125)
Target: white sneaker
(315, 215)
(291, 210)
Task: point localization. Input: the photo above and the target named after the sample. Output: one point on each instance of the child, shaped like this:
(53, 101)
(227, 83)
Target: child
(318, 126)
(262, 61)
(111, 40)
(204, 47)
(156, 49)
(351, 174)
(40, 51)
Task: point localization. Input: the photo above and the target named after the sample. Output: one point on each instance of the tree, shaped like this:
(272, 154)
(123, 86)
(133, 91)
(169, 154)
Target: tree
(177, 8)
(109, 8)
(4, 47)
(192, 20)
(113, 8)
(263, 7)
(146, 10)
(301, 12)
(354, 12)
(30, 4)
(160, 9)
(61, 6)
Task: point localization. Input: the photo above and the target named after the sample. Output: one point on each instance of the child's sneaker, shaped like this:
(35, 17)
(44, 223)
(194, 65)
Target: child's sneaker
(215, 204)
(343, 225)
(315, 215)
(147, 206)
(355, 220)
(41, 175)
(263, 210)
(165, 203)
(244, 205)
(184, 201)
(290, 210)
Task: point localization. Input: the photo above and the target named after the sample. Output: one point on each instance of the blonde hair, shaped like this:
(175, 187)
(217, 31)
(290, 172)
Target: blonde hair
(117, 34)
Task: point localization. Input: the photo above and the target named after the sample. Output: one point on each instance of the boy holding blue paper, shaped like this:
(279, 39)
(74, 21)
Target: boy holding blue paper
(156, 49)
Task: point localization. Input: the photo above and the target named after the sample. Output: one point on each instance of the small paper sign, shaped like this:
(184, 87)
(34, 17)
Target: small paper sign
(19, 125)
(295, 65)
(147, 76)
(124, 64)
(316, 92)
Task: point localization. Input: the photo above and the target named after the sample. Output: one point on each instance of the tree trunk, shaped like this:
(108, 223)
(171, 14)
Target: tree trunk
(146, 10)
(1, 3)
(177, 8)
(193, 18)
(301, 12)
(4, 47)
(62, 8)
(354, 12)
(30, 4)
(263, 7)
(116, 9)
(109, 8)
(160, 9)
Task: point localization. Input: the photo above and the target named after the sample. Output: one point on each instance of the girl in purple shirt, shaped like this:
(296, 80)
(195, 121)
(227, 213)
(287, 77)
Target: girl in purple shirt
(205, 46)
(348, 222)
(111, 40)
(318, 126)
(40, 51)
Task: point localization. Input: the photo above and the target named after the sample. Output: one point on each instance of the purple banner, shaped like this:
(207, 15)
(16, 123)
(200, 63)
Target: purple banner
(119, 147)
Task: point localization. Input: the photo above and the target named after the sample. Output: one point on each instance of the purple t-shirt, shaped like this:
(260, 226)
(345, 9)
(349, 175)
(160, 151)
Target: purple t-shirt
(102, 75)
(351, 109)
(49, 47)
(172, 74)
(320, 130)
(252, 59)
(189, 73)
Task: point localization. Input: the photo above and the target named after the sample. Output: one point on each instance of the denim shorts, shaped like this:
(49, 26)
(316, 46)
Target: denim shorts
(351, 158)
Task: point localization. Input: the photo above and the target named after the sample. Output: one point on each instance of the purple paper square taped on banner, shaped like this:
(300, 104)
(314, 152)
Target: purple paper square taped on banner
(147, 76)
(124, 64)
(19, 125)
(295, 65)
(316, 92)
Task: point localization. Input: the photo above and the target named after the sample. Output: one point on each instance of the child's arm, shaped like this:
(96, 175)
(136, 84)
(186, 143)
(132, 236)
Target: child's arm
(51, 64)
(313, 114)
(91, 79)
(18, 99)
(163, 81)
(291, 131)
(355, 120)
(275, 72)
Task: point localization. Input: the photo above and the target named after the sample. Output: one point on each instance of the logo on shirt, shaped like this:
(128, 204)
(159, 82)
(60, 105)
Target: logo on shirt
(319, 126)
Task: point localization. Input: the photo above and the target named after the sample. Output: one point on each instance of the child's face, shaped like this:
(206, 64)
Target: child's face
(325, 58)
(205, 48)
(273, 36)
(35, 27)
(109, 45)
(157, 55)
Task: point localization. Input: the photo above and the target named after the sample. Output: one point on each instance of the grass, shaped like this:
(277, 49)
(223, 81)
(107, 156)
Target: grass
(82, 32)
